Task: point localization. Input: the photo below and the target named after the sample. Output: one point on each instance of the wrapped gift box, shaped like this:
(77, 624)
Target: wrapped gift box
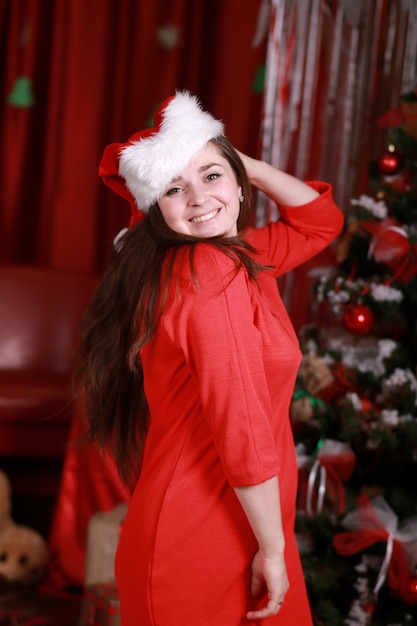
(101, 606)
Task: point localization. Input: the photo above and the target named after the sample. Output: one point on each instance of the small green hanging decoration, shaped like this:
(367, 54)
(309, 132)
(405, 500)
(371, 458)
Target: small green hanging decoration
(259, 80)
(151, 119)
(21, 95)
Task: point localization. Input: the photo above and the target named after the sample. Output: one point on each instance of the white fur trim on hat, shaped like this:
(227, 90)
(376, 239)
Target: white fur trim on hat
(152, 163)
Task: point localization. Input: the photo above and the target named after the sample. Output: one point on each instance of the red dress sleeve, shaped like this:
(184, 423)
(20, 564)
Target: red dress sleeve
(300, 233)
(213, 325)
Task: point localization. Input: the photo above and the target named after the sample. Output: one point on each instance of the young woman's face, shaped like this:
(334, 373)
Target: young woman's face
(204, 200)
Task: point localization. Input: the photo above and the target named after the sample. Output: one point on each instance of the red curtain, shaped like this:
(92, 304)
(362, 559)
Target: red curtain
(78, 75)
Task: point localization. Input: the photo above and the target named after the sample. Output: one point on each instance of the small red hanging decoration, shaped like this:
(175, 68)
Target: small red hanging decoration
(389, 162)
(369, 608)
(413, 587)
(358, 319)
(408, 592)
(369, 409)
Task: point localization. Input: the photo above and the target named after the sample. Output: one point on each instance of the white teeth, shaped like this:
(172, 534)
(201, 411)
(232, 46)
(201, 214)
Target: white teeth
(204, 218)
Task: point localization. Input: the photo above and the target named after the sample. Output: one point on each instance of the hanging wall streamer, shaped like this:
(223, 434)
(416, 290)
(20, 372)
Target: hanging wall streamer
(310, 79)
(325, 82)
(410, 58)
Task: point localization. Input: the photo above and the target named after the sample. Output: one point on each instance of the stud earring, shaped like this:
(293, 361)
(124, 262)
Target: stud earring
(241, 198)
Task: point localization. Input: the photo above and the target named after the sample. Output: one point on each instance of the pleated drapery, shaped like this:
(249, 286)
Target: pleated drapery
(77, 75)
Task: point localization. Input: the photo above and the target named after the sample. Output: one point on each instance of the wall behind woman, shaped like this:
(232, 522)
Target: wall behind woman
(78, 75)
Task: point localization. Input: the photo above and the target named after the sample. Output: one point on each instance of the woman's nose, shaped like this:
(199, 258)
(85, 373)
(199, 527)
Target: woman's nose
(196, 195)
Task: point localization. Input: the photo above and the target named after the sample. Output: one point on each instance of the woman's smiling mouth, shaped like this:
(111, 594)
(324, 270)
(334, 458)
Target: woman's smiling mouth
(206, 217)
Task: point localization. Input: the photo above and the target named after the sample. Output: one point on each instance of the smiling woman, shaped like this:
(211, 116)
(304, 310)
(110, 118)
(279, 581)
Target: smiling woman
(204, 201)
(188, 366)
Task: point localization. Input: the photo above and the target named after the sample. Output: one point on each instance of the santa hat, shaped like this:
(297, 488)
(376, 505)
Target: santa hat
(140, 169)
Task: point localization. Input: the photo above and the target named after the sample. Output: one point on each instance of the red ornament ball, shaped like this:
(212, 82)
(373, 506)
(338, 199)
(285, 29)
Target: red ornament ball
(369, 607)
(389, 163)
(358, 319)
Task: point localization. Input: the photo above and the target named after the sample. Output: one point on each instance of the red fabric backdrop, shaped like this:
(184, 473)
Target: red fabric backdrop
(97, 70)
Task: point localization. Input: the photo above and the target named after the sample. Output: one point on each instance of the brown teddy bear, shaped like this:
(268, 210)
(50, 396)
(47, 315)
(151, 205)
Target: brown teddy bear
(24, 554)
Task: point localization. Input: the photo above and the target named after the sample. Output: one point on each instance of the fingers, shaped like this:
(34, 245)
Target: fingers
(272, 607)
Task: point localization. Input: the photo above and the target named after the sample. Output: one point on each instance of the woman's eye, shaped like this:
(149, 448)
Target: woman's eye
(173, 191)
(213, 176)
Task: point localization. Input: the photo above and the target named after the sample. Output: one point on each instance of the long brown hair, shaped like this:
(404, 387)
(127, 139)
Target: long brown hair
(122, 318)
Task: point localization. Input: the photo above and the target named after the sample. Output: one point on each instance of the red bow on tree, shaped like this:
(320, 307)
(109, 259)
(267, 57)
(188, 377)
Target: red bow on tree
(374, 522)
(390, 245)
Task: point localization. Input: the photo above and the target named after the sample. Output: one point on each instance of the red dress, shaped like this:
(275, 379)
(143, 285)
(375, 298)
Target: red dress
(219, 375)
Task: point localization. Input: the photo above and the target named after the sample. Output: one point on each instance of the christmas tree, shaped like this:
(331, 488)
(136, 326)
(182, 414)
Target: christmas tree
(354, 410)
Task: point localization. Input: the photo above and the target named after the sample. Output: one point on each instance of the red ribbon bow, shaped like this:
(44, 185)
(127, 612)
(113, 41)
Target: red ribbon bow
(371, 530)
(391, 245)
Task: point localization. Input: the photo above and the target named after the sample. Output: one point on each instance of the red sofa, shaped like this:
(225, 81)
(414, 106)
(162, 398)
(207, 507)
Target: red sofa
(40, 314)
